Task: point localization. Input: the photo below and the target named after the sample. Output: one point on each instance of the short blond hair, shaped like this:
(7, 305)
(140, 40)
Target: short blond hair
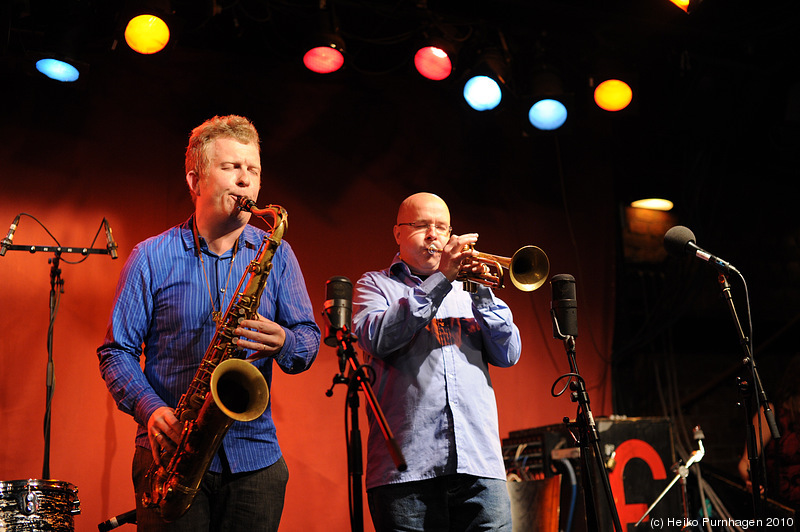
(231, 126)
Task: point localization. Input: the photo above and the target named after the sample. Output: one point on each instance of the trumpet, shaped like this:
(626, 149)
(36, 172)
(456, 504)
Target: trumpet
(528, 268)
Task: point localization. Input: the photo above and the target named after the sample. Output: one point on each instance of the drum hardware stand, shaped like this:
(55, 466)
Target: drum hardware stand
(682, 471)
(56, 289)
(357, 377)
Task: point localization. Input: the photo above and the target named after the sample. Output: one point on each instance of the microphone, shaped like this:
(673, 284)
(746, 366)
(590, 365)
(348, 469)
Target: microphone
(9, 237)
(697, 433)
(338, 308)
(117, 521)
(112, 246)
(680, 241)
(564, 307)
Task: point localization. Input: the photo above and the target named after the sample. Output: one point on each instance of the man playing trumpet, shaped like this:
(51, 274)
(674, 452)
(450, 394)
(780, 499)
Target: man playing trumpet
(430, 343)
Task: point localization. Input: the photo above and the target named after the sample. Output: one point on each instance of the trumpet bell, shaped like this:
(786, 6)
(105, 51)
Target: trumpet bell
(529, 268)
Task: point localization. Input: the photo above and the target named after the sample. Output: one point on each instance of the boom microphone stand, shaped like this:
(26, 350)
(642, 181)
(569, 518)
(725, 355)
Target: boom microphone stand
(564, 309)
(56, 289)
(752, 392)
(680, 241)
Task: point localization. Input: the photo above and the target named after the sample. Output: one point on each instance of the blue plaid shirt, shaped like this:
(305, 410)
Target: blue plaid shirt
(162, 309)
(431, 344)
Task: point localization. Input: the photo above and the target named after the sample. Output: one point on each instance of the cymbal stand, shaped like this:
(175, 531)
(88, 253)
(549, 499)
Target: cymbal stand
(357, 378)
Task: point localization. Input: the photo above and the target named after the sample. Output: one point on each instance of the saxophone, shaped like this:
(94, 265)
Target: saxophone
(225, 388)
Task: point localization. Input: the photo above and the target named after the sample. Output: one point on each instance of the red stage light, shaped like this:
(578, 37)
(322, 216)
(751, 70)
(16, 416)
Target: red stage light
(323, 59)
(433, 63)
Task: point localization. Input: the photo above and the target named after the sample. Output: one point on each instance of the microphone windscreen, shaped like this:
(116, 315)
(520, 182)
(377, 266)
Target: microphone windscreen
(339, 287)
(563, 286)
(564, 306)
(676, 239)
(338, 307)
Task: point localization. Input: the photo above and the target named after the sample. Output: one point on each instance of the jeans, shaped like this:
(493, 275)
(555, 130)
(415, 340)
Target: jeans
(247, 502)
(448, 503)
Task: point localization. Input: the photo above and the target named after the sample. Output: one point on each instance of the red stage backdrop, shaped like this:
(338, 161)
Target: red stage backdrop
(122, 163)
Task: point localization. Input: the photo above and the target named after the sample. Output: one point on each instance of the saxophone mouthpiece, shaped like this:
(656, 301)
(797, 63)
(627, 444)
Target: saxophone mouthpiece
(245, 204)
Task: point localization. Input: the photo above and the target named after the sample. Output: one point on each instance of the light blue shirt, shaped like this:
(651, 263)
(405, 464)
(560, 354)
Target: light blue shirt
(431, 344)
(162, 309)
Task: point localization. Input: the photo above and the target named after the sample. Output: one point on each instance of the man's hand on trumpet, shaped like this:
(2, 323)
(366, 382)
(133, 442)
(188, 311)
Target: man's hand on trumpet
(456, 256)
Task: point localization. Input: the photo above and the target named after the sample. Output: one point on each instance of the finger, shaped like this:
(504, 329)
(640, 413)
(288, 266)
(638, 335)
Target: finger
(257, 331)
(162, 448)
(468, 239)
(170, 437)
(255, 345)
(259, 324)
(243, 343)
(167, 429)
(162, 441)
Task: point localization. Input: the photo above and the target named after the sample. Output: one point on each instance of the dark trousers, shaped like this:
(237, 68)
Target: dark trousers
(452, 503)
(247, 502)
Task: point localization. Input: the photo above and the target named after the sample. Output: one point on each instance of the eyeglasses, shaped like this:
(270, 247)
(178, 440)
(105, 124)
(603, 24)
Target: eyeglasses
(441, 229)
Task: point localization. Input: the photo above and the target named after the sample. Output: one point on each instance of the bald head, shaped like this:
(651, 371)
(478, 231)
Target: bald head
(420, 220)
(421, 201)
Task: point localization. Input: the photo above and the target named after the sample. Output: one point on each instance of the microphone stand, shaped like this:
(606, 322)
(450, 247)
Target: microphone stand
(357, 378)
(751, 392)
(56, 289)
(588, 438)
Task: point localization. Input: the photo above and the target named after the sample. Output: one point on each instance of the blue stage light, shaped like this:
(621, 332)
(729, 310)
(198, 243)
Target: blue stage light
(57, 70)
(482, 93)
(547, 114)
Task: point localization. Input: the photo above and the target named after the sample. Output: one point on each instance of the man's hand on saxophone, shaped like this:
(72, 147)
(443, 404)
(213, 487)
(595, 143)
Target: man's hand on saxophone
(262, 335)
(163, 430)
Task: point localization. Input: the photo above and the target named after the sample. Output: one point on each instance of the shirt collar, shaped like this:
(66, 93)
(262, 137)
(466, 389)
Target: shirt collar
(401, 270)
(249, 238)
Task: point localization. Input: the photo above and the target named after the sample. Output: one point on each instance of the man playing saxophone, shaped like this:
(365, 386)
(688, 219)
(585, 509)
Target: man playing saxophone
(173, 291)
(430, 344)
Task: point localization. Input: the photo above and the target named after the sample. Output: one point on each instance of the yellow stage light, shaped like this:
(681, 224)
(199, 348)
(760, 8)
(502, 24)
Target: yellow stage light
(613, 95)
(147, 34)
(653, 204)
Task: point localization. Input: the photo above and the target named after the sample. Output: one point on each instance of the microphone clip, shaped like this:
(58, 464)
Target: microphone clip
(557, 329)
